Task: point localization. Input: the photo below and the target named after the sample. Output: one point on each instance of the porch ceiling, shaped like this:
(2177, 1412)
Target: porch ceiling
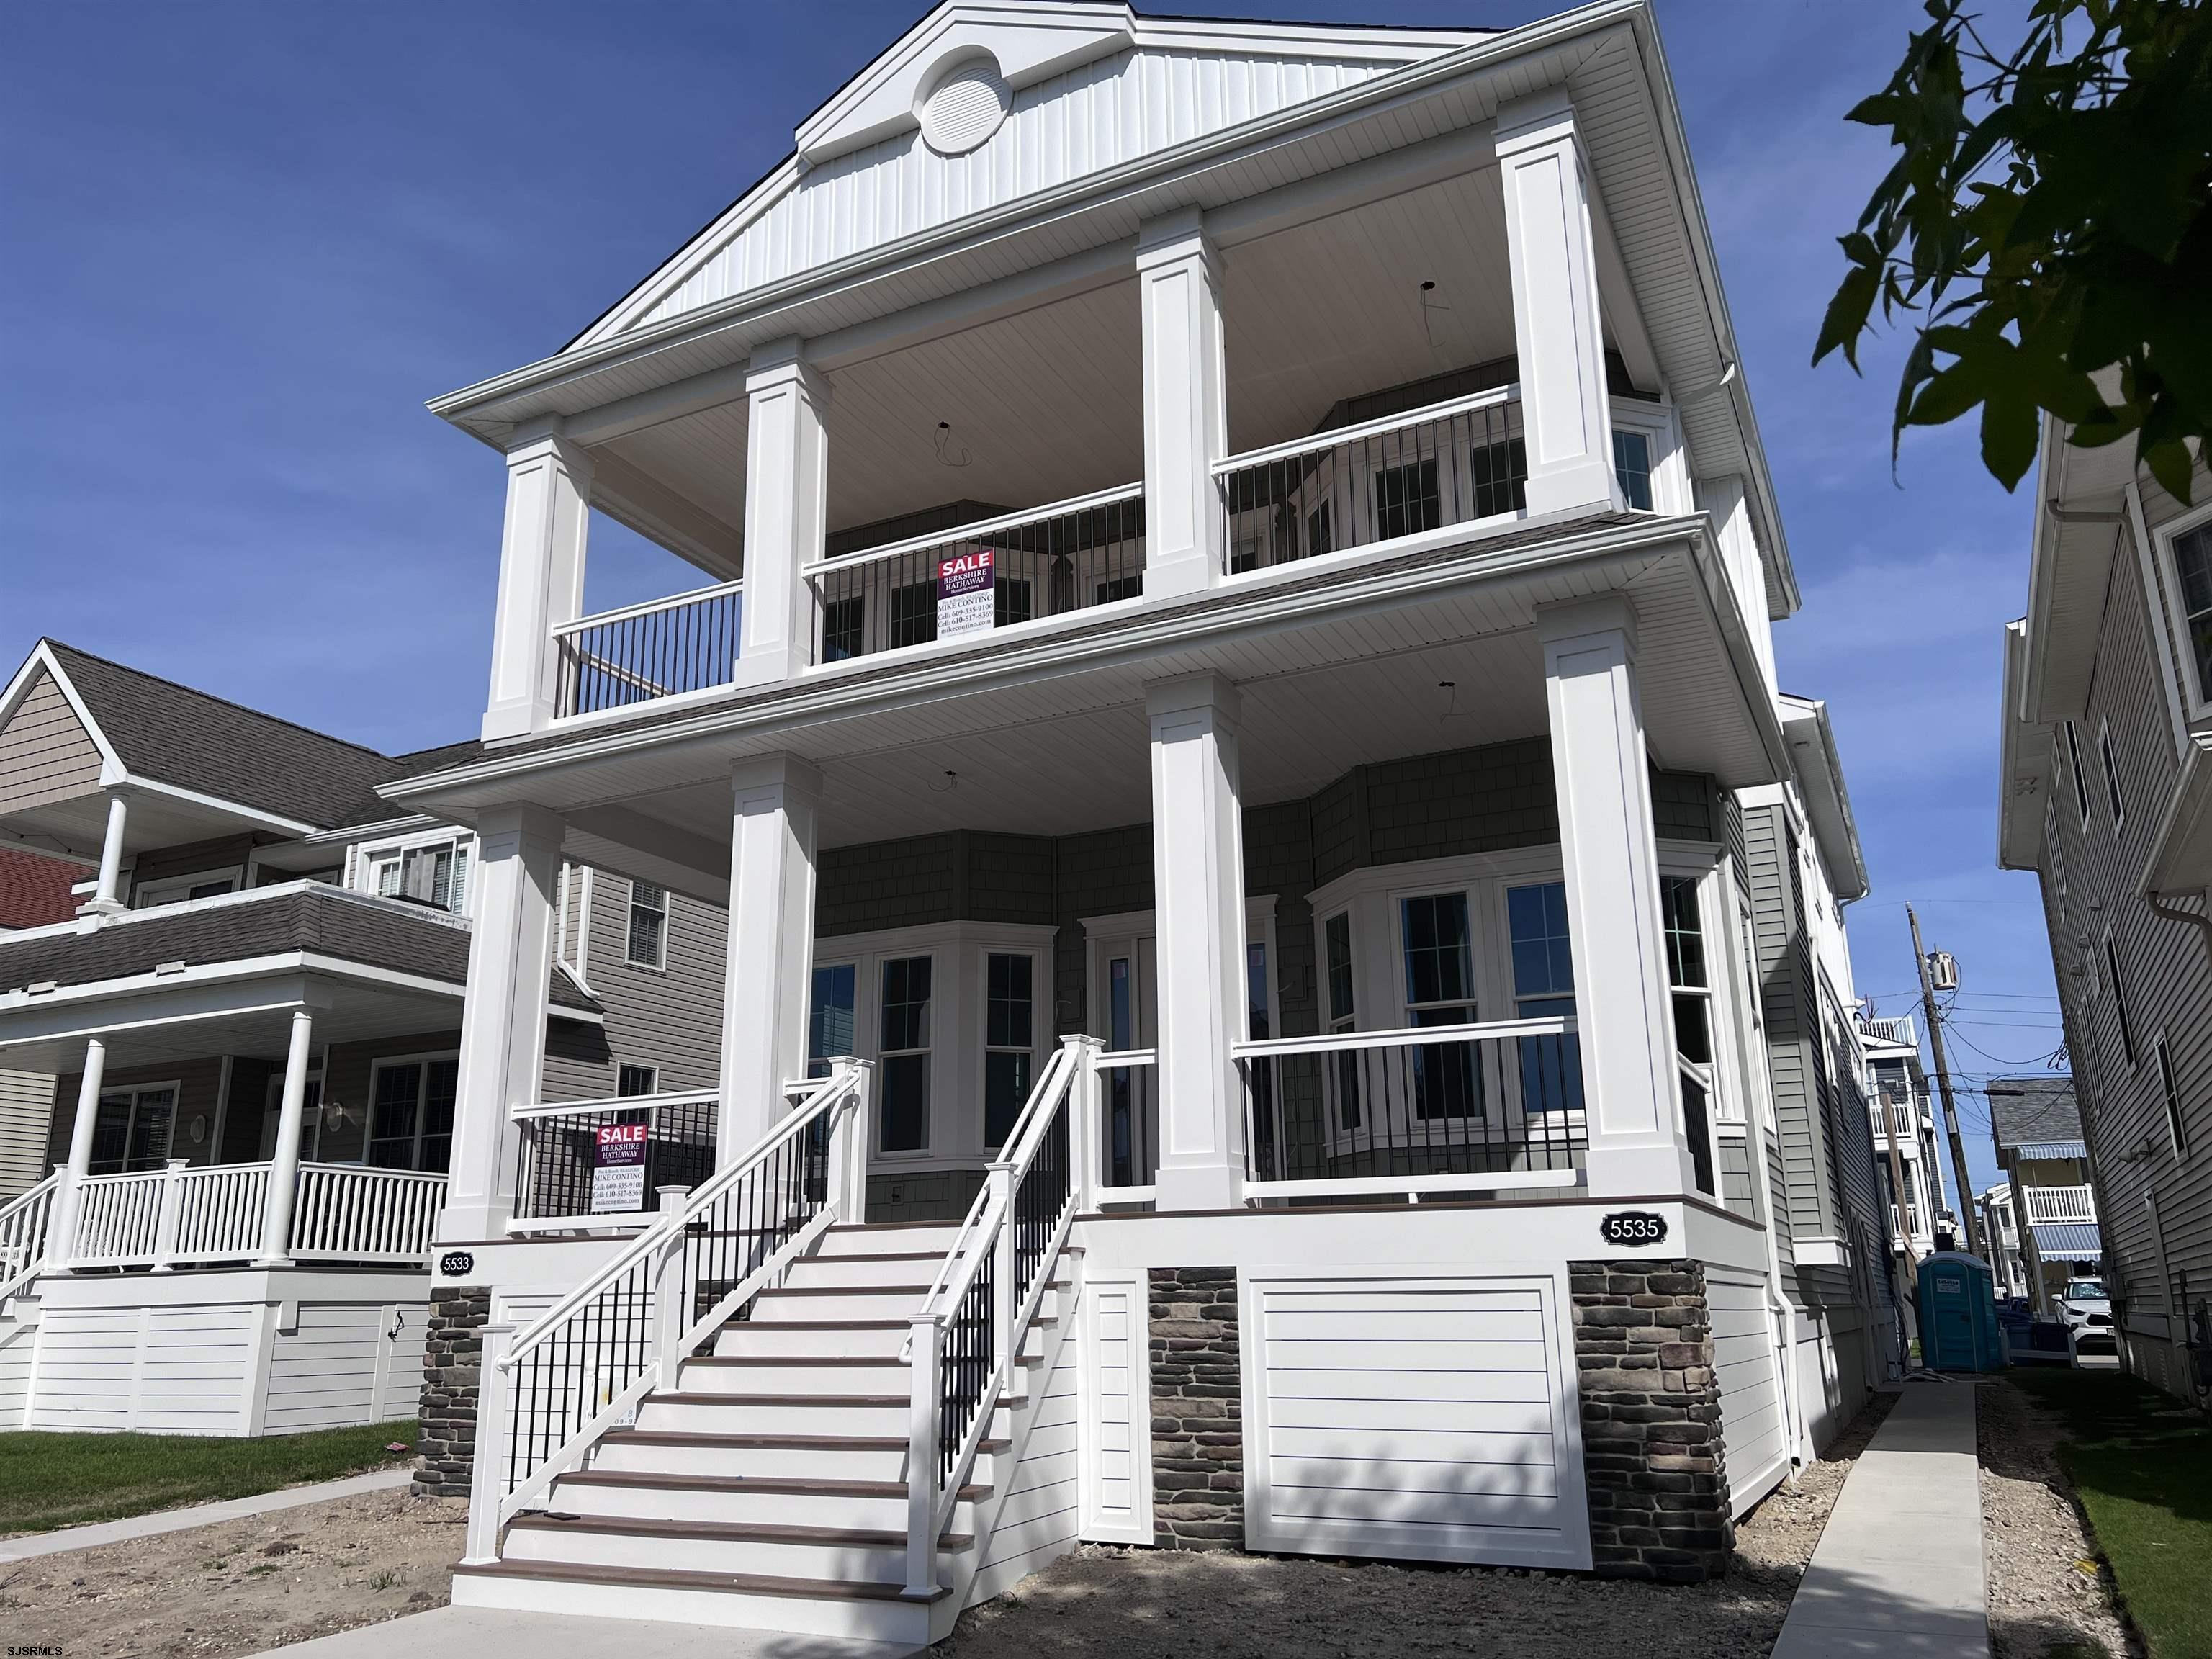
(1054, 747)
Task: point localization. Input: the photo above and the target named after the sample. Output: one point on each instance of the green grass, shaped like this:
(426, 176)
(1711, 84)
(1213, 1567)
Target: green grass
(2141, 1463)
(49, 1481)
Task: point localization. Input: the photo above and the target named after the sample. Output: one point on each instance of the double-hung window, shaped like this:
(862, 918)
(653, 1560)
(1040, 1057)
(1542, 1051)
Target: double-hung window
(1631, 466)
(131, 1129)
(2080, 778)
(1439, 962)
(2176, 1130)
(1336, 937)
(410, 1113)
(1013, 599)
(1009, 1040)
(633, 1081)
(903, 1054)
(647, 942)
(1406, 501)
(2111, 778)
(1693, 1018)
(831, 1025)
(2119, 1000)
(436, 875)
(1543, 988)
(2192, 563)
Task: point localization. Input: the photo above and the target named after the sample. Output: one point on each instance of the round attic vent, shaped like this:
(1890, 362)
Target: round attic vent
(965, 106)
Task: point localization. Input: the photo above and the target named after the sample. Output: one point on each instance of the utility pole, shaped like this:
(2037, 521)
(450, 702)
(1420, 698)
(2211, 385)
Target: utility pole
(1970, 1229)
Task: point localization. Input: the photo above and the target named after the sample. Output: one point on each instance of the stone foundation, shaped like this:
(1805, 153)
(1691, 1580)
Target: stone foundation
(453, 1345)
(1198, 1409)
(1652, 1456)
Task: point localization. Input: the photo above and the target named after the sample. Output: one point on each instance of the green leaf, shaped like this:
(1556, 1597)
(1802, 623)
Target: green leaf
(2169, 464)
(2008, 433)
(1846, 318)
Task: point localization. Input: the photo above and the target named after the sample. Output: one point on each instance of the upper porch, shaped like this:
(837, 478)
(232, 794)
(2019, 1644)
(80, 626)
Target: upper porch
(1186, 316)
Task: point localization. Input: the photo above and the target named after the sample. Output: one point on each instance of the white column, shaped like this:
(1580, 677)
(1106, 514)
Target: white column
(1556, 333)
(1186, 403)
(786, 503)
(284, 1162)
(64, 1246)
(774, 802)
(503, 1059)
(541, 575)
(1611, 856)
(1197, 910)
(103, 901)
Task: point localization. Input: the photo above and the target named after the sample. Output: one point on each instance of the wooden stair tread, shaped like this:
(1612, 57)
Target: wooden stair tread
(734, 1583)
(772, 1441)
(758, 1532)
(792, 1485)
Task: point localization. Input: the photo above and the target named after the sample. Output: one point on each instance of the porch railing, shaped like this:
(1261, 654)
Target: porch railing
(557, 1155)
(661, 648)
(26, 1222)
(119, 1219)
(1127, 1136)
(178, 1216)
(2061, 1204)
(625, 1332)
(346, 1212)
(1450, 463)
(968, 1333)
(1435, 1108)
(1045, 562)
(220, 1212)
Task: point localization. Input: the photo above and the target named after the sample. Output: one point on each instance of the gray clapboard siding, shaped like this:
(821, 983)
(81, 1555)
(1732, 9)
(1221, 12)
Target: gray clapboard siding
(46, 753)
(198, 1094)
(1787, 997)
(27, 1108)
(669, 1017)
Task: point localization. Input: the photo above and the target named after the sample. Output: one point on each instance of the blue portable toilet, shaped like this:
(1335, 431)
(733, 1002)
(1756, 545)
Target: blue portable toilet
(1959, 1313)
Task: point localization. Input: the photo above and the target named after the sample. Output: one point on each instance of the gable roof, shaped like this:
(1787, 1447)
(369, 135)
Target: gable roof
(2030, 1109)
(160, 732)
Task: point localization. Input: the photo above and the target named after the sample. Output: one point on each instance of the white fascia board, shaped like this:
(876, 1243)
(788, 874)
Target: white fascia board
(2023, 763)
(1266, 608)
(112, 769)
(292, 827)
(611, 338)
(399, 824)
(1827, 800)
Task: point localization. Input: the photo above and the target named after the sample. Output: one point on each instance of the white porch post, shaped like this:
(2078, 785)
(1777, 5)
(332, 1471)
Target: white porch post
(1186, 403)
(285, 1163)
(787, 495)
(63, 1247)
(502, 1057)
(1611, 856)
(1556, 332)
(774, 802)
(541, 576)
(1198, 907)
(103, 902)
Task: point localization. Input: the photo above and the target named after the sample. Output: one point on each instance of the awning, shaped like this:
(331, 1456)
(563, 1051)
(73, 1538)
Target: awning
(2067, 1241)
(2044, 1149)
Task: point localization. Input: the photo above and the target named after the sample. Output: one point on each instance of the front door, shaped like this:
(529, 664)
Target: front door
(1124, 1009)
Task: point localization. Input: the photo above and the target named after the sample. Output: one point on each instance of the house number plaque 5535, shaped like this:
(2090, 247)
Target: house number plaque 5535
(1633, 1227)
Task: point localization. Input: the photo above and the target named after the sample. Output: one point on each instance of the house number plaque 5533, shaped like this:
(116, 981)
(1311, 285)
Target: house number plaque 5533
(1633, 1227)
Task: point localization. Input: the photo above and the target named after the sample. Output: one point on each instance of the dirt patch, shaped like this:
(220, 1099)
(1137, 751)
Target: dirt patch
(2047, 1591)
(1159, 1604)
(239, 1587)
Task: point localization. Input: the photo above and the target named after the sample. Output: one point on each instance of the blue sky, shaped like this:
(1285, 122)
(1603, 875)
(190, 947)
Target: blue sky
(245, 242)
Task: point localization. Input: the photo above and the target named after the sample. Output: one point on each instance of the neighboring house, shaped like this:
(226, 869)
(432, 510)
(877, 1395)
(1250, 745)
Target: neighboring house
(1257, 827)
(2046, 1161)
(2008, 1264)
(34, 890)
(2107, 796)
(1903, 1113)
(255, 1018)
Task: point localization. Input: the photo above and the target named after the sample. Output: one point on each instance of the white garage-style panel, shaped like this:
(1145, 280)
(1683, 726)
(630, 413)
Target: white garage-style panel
(1751, 1405)
(1414, 1416)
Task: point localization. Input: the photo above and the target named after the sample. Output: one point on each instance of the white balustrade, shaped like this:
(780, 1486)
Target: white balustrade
(2061, 1204)
(346, 1212)
(25, 1228)
(119, 1219)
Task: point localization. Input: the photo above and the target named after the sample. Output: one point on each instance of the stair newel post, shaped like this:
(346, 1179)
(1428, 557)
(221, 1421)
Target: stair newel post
(487, 1490)
(848, 1142)
(921, 1459)
(165, 1224)
(668, 1287)
(1001, 1179)
(1083, 1126)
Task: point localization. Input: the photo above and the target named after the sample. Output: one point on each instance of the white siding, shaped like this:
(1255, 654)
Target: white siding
(1429, 1419)
(1117, 1394)
(17, 1339)
(193, 1368)
(346, 1363)
(1758, 1449)
(87, 1362)
(1037, 1519)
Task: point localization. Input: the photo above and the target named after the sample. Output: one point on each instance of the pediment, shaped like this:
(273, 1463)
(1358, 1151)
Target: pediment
(984, 102)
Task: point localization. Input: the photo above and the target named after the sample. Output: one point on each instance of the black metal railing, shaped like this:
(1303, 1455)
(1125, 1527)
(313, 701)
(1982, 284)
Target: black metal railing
(645, 652)
(558, 1160)
(1040, 1197)
(1069, 556)
(1483, 1101)
(1452, 463)
(966, 1359)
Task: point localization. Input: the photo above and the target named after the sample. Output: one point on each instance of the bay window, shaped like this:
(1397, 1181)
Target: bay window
(903, 1054)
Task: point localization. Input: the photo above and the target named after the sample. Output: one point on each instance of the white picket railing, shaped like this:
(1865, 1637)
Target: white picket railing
(26, 1222)
(968, 1332)
(2061, 1204)
(546, 1396)
(119, 1219)
(221, 1213)
(347, 1213)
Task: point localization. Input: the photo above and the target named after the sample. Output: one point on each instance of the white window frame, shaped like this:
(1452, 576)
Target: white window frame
(2131, 1050)
(658, 965)
(421, 1063)
(1671, 491)
(2074, 768)
(176, 1090)
(2170, 618)
(2170, 1100)
(1041, 1002)
(177, 890)
(652, 1079)
(2112, 796)
(370, 857)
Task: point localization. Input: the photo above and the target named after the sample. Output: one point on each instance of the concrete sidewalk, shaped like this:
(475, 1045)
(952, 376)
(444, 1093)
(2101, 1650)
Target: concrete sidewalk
(494, 1634)
(1899, 1571)
(199, 1515)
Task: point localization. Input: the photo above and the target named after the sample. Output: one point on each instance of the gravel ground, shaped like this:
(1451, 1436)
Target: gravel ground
(2046, 1591)
(239, 1586)
(1153, 1604)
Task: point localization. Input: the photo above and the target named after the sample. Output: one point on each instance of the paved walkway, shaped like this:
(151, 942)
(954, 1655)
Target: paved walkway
(1899, 1571)
(199, 1515)
(498, 1635)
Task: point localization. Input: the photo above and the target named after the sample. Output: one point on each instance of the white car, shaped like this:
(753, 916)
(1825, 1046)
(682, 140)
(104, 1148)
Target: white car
(2086, 1308)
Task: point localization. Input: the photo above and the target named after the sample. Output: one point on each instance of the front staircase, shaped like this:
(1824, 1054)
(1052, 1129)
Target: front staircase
(768, 1487)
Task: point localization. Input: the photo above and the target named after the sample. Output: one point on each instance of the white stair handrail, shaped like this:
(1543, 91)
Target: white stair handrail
(26, 1222)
